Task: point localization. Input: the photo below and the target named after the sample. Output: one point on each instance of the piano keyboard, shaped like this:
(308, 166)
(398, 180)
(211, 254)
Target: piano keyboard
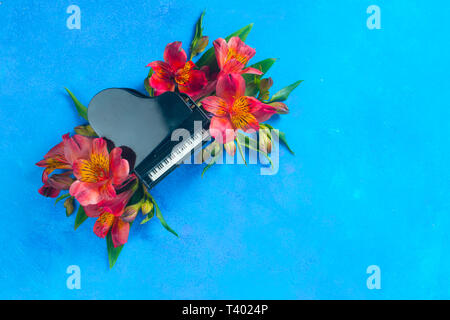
(178, 153)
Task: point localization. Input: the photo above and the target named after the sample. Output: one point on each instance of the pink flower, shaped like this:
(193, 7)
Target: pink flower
(233, 56)
(98, 174)
(176, 70)
(108, 214)
(232, 110)
(62, 157)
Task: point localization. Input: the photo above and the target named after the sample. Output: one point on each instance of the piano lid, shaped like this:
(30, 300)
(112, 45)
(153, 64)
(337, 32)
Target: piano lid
(131, 119)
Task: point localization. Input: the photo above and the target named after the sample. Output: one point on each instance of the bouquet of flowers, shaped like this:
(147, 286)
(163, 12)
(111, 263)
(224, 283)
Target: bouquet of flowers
(98, 177)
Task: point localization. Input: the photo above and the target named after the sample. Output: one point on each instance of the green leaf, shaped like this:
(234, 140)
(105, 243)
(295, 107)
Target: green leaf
(251, 143)
(113, 253)
(82, 110)
(240, 150)
(281, 135)
(81, 217)
(284, 93)
(209, 58)
(147, 87)
(61, 197)
(213, 161)
(197, 36)
(149, 216)
(160, 217)
(263, 66)
(252, 80)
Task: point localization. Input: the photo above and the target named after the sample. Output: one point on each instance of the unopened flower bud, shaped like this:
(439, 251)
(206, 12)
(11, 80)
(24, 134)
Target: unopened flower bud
(265, 84)
(69, 205)
(265, 141)
(280, 107)
(61, 181)
(130, 212)
(85, 131)
(147, 207)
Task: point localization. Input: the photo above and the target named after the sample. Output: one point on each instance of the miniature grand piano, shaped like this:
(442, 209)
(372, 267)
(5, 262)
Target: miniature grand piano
(145, 124)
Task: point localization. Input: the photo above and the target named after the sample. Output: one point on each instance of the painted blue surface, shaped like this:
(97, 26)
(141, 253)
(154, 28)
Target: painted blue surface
(368, 185)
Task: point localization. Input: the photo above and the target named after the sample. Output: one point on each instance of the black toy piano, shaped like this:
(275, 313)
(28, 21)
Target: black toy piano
(145, 124)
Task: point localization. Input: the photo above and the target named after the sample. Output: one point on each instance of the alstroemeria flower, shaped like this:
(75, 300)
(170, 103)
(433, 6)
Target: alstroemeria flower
(233, 56)
(176, 70)
(62, 157)
(98, 174)
(232, 110)
(108, 214)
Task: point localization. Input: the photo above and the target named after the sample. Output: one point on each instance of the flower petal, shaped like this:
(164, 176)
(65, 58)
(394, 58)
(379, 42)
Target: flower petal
(197, 81)
(86, 193)
(230, 87)
(216, 105)
(103, 224)
(161, 85)
(241, 50)
(99, 148)
(221, 50)
(119, 232)
(261, 111)
(221, 129)
(93, 211)
(162, 69)
(48, 191)
(77, 147)
(118, 167)
(61, 181)
(252, 71)
(174, 55)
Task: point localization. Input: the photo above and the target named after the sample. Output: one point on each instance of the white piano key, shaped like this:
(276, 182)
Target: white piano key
(180, 152)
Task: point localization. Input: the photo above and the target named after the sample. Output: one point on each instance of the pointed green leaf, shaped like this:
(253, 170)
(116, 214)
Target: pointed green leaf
(209, 58)
(197, 36)
(241, 151)
(263, 66)
(251, 80)
(284, 93)
(81, 217)
(113, 253)
(149, 216)
(213, 160)
(147, 87)
(61, 197)
(160, 216)
(82, 110)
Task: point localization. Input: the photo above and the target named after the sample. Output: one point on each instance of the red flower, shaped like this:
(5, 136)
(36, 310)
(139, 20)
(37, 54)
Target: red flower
(108, 214)
(98, 174)
(62, 156)
(175, 70)
(233, 56)
(232, 110)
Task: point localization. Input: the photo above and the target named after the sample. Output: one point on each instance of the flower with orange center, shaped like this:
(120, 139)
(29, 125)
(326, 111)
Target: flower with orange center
(62, 157)
(233, 111)
(232, 56)
(98, 174)
(175, 70)
(108, 214)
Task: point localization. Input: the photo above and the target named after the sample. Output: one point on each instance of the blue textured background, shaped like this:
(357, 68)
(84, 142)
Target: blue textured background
(369, 183)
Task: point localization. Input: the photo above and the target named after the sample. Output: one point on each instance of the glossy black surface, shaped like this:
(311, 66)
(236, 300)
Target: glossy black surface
(131, 119)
